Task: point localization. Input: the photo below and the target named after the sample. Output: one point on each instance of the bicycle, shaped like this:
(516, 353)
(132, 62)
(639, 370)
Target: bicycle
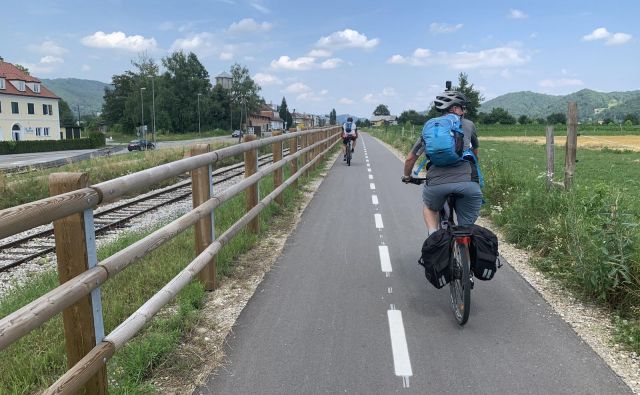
(349, 140)
(460, 283)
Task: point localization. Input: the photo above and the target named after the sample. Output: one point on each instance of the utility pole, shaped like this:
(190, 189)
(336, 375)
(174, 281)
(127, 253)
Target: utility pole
(199, 94)
(153, 107)
(144, 136)
(78, 108)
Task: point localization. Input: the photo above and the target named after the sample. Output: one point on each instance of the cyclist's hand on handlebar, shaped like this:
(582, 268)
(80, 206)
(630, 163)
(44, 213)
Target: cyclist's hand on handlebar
(407, 179)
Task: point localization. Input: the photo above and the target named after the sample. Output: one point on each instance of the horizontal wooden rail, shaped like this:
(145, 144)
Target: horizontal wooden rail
(34, 314)
(73, 379)
(26, 216)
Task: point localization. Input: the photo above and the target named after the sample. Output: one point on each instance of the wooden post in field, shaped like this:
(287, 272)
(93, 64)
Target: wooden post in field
(572, 144)
(293, 148)
(201, 185)
(277, 175)
(251, 193)
(73, 259)
(550, 156)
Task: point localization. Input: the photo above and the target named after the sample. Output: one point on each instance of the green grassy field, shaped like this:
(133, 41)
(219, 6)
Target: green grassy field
(531, 130)
(35, 361)
(587, 237)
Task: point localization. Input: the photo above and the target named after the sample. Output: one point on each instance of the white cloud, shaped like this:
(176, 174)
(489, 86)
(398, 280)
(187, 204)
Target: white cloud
(313, 96)
(347, 38)
(370, 98)
(388, 92)
(602, 33)
(225, 56)
(85, 68)
(119, 40)
(297, 87)
(319, 53)
(38, 68)
(265, 79)
(440, 28)
(560, 83)
(397, 59)
(301, 63)
(331, 63)
(48, 47)
(249, 25)
(516, 14)
(344, 100)
(488, 58)
(51, 59)
(260, 7)
(421, 53)
(203, 44)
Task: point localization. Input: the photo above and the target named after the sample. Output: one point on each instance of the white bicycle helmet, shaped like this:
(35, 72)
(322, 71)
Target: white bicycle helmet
(449, 98)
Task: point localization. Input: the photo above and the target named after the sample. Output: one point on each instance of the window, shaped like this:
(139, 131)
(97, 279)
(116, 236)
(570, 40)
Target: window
(46, 131)
(14, 107)
(36, 88)
(38, 131)
(2, 86)
(50, 109)
(45, 109)
(20, 86)
(30, 108)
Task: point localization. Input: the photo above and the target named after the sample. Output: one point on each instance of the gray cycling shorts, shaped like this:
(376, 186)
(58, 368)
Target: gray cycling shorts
(468, 199)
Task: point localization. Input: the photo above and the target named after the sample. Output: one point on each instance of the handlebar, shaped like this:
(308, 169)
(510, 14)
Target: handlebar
(412, 180)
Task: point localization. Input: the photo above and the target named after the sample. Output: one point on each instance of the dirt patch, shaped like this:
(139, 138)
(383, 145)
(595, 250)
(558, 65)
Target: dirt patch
(631, 143)
(592, 323)
(202, 350)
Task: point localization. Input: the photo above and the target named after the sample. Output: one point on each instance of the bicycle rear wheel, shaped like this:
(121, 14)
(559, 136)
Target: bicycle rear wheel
(460, 286)
(349, 154)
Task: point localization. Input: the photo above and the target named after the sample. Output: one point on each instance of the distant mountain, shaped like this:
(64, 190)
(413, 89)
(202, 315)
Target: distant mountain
(87, 94)
(592, 105)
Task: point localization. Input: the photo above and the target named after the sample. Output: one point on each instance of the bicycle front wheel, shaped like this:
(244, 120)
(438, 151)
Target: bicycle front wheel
(460, 285)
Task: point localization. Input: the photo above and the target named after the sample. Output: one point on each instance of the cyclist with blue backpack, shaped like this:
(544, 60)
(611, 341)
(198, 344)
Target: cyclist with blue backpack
(450, 143)
(349, 131)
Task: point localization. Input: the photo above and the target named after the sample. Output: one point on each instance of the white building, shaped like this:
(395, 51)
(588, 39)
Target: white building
(28, 110)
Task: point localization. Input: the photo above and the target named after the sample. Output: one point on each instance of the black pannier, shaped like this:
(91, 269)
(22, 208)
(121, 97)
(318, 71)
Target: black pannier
(484, 253)
(435, 258)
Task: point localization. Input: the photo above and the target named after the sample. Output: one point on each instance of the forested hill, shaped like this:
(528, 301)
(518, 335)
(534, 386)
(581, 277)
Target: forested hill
(592, 105)
(84, 93)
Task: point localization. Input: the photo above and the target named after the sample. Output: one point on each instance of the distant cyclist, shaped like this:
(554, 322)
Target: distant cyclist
(349, 131)
(461, 178)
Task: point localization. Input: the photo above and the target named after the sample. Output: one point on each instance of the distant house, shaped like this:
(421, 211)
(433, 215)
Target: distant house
(276, 123)
(379, 120)
(28, 110)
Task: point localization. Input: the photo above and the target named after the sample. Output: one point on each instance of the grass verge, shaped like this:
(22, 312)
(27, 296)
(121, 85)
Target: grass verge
(588, 237)
(37, 360)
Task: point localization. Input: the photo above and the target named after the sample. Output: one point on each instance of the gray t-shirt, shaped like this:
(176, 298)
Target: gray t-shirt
(459, 172)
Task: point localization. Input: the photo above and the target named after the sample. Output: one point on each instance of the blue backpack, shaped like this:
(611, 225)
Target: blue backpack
(347, 127)
(443, 140)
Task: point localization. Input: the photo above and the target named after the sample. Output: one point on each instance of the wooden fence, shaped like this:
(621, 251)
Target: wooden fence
(71, 210)
(570, 150)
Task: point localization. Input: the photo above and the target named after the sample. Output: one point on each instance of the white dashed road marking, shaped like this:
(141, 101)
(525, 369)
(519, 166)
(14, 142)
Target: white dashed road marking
(374, 199)
(401, 361)
(370, 176)
(378, 218)
(385, 260)
(372, 185)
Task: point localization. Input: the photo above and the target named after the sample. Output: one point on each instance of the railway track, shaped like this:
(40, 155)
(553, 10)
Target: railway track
(26, 247)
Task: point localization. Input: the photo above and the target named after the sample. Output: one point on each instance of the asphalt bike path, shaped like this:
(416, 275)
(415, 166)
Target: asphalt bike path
(346, 308)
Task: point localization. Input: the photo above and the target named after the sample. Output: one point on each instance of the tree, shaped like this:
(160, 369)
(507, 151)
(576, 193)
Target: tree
(66, 115)
(631, 117)
(23, 69)
(473, 96)
(333, 117)
(557, 118)
(283, 111)
(413, 117)
(244, 91)
(382, 109)
(499, 115)
(523, 120)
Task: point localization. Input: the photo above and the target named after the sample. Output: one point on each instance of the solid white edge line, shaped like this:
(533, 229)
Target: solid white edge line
(372, 185)
(378, 218)
(401, 361)
(385, 259)
(374, 199)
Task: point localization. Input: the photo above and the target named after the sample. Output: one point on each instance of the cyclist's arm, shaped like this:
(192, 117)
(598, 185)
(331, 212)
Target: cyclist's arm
(409, 163)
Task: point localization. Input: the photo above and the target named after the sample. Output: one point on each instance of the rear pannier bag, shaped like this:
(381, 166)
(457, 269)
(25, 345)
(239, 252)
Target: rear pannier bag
(435, 258)
(484, 253)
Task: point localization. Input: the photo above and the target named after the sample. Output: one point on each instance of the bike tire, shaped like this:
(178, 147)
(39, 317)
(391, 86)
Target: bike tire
(349, 154)
(460, 285)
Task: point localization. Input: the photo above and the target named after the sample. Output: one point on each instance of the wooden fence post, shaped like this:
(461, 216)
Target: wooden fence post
(251, 193)
(74, 254)
(304, 143)
(202, 185)
(293, 148)
(572, 144)
(550, 156)
(277, 175)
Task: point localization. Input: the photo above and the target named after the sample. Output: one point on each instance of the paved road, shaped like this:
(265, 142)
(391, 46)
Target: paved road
(334, 315)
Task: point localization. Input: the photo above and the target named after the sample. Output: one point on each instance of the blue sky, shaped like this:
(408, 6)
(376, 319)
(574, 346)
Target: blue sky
(347, 55)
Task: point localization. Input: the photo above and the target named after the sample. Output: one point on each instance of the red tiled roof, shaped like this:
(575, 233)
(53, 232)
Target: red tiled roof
(10, 72)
